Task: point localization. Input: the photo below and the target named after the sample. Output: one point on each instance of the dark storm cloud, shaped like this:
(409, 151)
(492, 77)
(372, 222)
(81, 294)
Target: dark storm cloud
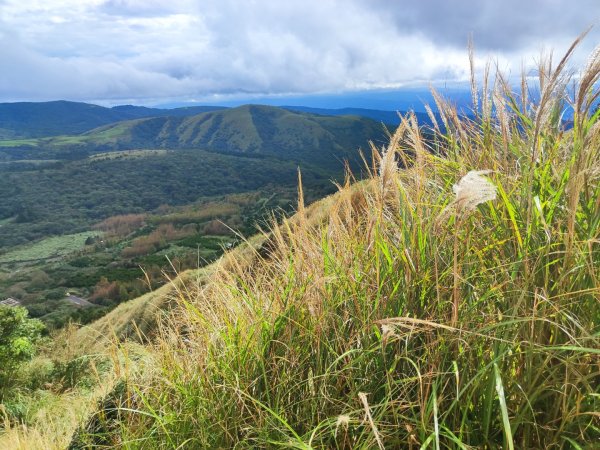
(498, 25)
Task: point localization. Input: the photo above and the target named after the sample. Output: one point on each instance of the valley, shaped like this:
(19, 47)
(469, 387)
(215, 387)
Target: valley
(113, 212)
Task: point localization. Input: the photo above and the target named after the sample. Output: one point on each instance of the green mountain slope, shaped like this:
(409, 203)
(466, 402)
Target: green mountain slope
(324, 141)
(387, 117)
(265, 130)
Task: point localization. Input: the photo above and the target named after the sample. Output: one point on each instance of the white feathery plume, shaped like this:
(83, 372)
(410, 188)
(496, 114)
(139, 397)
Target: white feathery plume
(473, 189)
(342, 422)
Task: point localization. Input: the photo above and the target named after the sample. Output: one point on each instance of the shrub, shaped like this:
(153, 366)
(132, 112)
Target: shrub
(122, 225)
(216, 227)
(18, 338)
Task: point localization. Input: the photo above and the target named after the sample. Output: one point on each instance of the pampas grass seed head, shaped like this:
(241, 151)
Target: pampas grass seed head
(473, 189)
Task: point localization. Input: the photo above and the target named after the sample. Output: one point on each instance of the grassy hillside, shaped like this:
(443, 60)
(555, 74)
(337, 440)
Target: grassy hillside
(81, 366)
(140, 319)
(390, 118)
(404, 312)
(251, 129)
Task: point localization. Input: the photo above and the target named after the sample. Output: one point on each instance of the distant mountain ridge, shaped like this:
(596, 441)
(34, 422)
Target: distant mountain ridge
(391, 118)
(33, 120)
(24, 120)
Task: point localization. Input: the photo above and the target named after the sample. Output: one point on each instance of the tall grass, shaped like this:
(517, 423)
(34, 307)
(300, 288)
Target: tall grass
(400, 313)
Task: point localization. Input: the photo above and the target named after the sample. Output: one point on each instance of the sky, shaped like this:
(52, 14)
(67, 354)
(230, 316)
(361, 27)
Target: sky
(151, 52)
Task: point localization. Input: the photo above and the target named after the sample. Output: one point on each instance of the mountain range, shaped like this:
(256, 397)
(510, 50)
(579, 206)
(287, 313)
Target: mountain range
(31, 120)
(24, 120)
(63, 183)
(316, 139)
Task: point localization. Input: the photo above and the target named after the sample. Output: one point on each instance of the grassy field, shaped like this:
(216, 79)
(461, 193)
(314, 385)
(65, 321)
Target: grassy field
(37, 142)
(99, 137)
(19, 142)
(130, 154)
(52, 247)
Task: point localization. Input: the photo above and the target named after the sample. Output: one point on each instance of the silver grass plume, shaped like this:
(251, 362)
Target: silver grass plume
(388, 167)
(473, 189)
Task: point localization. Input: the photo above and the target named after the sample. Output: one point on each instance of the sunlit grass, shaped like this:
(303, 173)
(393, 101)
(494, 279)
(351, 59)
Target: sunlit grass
(52, 247)
(129, 154)
(98, 136)
(19, 142)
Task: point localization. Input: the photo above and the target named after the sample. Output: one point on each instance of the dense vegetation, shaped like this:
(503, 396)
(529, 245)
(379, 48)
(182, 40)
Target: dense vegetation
(69, 197)
(57, 206)
(18, 338)
(403, 312)
(124, 256)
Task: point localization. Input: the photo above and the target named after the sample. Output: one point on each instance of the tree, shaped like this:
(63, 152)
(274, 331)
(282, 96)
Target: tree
(26, 213)
(40, 279)
(18, 338)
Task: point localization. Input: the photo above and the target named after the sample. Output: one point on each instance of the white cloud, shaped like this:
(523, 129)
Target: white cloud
(151, 49)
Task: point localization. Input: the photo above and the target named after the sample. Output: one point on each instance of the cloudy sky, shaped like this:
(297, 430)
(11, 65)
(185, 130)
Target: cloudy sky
(158, 51)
